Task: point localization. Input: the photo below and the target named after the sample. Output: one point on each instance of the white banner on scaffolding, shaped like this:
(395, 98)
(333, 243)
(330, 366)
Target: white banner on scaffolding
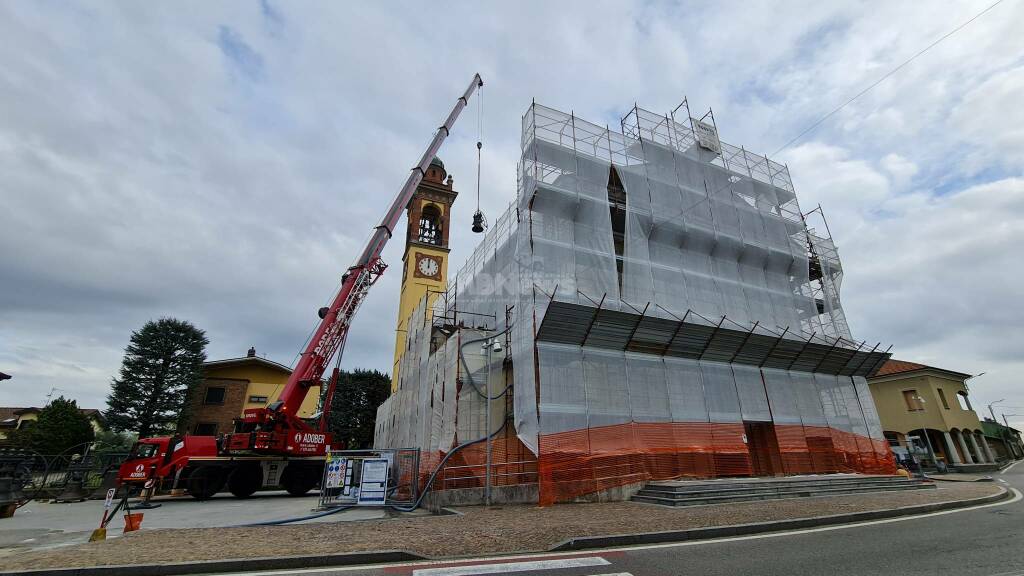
(707, 136)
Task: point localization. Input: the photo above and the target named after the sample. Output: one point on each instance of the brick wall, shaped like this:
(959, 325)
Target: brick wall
(223, 414)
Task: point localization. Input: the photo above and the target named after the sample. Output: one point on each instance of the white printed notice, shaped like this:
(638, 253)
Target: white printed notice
(373, 484)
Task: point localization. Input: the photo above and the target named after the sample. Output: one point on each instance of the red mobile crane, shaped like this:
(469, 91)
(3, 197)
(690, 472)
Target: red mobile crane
(272, 446)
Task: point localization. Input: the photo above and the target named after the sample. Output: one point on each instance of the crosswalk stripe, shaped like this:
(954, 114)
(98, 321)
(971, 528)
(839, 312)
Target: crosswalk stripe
(506, 567)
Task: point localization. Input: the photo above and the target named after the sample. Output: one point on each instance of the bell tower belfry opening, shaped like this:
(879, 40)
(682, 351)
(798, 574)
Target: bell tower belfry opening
(425, 260)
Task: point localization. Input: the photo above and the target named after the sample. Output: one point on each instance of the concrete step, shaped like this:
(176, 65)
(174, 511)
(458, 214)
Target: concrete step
(806, 493)
(655, 490)
(716, 485)
(769, 491)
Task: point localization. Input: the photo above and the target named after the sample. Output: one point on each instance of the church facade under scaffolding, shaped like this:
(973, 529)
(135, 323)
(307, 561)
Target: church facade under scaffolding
(662, 307)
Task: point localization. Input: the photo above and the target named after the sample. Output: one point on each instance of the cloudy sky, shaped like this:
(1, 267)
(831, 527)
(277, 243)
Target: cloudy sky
(223, 162)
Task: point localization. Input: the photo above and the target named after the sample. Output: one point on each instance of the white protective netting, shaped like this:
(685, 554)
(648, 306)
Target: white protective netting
(690, 234)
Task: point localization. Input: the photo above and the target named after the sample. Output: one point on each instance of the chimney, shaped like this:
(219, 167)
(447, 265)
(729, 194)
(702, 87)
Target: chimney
(251, 353)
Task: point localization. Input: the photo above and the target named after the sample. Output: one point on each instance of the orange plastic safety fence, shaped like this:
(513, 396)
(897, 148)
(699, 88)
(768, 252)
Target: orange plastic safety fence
(580, 462)
(796, 455)
(511, 463)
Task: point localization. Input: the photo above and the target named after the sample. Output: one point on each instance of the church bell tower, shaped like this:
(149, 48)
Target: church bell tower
(425, 261)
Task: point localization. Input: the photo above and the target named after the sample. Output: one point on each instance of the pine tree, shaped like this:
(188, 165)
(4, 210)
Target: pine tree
(162, 365)
(60, 426)
(354, 409)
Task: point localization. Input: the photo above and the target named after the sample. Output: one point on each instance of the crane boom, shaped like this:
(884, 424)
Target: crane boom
(335, 319)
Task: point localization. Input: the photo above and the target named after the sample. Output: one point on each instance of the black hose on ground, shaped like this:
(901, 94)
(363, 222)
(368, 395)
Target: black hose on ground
(414, 506)
(296, 519)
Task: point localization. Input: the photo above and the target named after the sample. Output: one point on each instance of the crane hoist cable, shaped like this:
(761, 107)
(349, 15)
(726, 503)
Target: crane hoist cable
(479, 222)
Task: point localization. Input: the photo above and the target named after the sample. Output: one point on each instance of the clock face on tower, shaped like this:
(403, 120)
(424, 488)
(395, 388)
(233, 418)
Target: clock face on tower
(427, 266)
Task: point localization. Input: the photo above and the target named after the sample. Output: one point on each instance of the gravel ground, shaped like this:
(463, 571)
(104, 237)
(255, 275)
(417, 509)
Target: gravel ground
(476, 531)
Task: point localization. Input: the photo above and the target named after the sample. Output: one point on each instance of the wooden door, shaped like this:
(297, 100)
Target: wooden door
(763, 446)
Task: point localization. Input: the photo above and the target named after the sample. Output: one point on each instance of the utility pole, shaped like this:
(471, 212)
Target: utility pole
(993, 412)
(489, 345)
(487, 391)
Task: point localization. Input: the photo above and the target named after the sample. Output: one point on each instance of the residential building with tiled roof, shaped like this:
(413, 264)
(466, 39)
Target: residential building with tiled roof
(232, 385)
(17, 417)
(926, 410)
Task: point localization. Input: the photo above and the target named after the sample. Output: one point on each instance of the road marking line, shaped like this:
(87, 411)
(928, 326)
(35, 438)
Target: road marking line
(1003, 471)
(605, 551)
(507, 567)
(1017, 496)
(628, 574)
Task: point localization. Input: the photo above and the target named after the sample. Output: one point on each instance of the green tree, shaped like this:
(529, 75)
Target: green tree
(108, 441)
(354, 409)
(60, 426)
(162, 365)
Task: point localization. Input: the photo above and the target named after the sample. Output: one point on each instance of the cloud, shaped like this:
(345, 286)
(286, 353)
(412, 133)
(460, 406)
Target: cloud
(990, 122)
(224, 162)
(242, 57)
(899, 168)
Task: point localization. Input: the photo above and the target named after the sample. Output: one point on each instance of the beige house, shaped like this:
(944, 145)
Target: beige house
(928, 410)
(234, 385)
(16, 418)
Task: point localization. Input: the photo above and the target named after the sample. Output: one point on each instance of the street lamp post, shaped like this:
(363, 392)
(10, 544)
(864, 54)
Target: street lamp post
(489, 345)
(993, 412)
(927, 438)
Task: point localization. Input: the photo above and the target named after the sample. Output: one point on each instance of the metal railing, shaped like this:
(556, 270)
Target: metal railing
(474, 475)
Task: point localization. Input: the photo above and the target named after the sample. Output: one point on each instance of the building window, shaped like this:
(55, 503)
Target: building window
(913, 401)
(258, 399)
(206, 428)
(942, 398)
(965, 402)
(214, 395)
(430, 226)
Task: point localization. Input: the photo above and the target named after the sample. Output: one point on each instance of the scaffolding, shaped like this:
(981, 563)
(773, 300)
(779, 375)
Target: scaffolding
(668, 310)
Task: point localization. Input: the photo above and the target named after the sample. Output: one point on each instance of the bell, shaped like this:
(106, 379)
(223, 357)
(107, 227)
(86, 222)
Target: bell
(478, 222)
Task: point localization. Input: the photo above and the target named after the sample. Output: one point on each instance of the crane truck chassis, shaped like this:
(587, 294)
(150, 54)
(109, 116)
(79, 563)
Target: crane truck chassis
(193, 463)
(272, 446)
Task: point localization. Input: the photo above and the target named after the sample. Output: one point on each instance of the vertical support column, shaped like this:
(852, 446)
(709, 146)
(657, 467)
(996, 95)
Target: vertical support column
(988, 449)
(954, 458)
(982, 457)
(963, 444)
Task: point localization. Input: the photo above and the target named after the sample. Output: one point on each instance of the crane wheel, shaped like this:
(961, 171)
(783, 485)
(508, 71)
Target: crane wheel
(205, 481)
(298, 480)
(245, 480)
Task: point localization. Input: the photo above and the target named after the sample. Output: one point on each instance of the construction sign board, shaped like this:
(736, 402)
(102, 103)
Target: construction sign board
(336, 472)
(373, 483)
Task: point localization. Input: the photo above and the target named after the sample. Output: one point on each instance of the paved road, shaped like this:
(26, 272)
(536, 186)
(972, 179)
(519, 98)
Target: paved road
(42, 525)
(985, 541)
